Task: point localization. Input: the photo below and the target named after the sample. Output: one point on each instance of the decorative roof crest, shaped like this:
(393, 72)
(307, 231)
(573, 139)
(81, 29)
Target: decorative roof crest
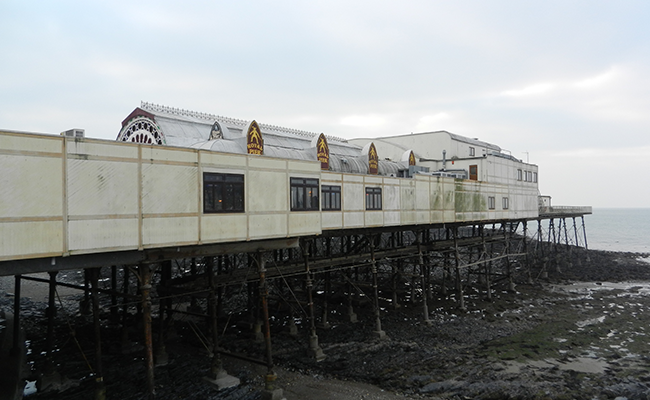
(234, 121)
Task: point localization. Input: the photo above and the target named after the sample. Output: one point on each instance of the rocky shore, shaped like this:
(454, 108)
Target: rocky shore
(579, 334)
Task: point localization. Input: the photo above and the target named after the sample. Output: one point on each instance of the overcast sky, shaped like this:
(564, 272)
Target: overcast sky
(565, 84)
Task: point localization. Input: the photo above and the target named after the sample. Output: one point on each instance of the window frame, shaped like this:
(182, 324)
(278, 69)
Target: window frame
(519, 175)
(220, 186)
(373, 198)
(492, 202)
(472, 151)
(330, 197)
(299, 195)
(505, 203)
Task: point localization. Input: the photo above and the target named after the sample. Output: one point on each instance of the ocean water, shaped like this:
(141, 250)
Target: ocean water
(619, 229)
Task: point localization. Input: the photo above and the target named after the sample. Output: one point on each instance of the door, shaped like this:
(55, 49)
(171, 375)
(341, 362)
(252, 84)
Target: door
(473, 172)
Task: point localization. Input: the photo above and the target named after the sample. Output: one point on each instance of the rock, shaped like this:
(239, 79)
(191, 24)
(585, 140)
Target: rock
(440, 387)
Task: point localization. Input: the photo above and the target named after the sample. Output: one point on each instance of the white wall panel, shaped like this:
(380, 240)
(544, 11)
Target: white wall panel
(20, 239)
(267, 191)
(31, 143)
(222, 159)
(353, 219)
(102, 188)
(374, 218)
(223, 227)
(31, 186)
(102, 149)
(303, 223)
(267, 225)
(86, 235)
(332, 220)
(168, 154)
(169, 189)
(169, 231)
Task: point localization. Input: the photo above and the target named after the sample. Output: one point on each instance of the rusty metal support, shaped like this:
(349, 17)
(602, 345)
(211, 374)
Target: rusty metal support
(425, 306)
(459, 284)
(218, 376)
(271, 392)
(145, 290)
(379, 333)
(315, 350)
(17, 345)
(100, 390)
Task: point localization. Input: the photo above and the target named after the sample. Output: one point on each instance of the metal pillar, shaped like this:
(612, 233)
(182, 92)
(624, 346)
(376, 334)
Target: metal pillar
(126, 343)
(218, 376)
(270, 392)
(100, 390)
(425, 306)
(17, 342)
(161, 357)
(324, 324)
(459, 284)
(314, 350)
(379, 333)
(145, 289)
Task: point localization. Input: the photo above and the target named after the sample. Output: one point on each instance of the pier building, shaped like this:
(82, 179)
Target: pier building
(207, 209)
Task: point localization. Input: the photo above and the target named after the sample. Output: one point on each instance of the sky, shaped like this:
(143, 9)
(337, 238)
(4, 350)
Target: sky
(561, 84)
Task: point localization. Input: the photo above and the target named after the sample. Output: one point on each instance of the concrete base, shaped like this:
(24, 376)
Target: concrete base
(161, 357)
(352, 317)
(381, 335)
(292, 329)
(258, 336)
(315, 350)
(324, 325)
(222, 380)
(275, 394)
(85, 307)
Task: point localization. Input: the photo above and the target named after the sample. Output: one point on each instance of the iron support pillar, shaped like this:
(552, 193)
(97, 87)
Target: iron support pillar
(145, 290)
(379, 333)
(425, 306)
(459, 284)
(100, 390)
(218, 376)
(270, 391)
(314, 351)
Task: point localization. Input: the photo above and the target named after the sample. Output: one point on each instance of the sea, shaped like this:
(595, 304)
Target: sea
(619, 229)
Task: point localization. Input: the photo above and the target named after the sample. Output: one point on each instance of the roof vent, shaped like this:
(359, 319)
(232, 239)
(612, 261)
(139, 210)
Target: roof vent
(74, 133)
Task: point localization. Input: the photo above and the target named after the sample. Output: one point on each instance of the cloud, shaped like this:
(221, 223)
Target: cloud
(532, 90)
(363, 121)
(598, 80)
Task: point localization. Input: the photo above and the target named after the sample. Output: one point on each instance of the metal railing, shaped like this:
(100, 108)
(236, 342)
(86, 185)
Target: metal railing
(564, 210)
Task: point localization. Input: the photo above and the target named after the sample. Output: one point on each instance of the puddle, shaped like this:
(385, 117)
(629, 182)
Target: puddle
(638, 288)
(592, 321)
(586, 365)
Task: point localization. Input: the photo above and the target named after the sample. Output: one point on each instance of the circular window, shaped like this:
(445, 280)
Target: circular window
(141, 130)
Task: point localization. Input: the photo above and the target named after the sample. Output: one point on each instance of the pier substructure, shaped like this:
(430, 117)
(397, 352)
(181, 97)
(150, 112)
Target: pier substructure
(337, 278)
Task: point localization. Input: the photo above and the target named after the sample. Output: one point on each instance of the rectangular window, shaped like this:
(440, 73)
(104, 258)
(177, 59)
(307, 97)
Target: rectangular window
(491, 202)
(304, 194)
(534, 177)
(519, 174)
(373, 198)
(472, 152)
(504, 200)
(331, 198)
(529, 176)
(473, 172)
(223, 193)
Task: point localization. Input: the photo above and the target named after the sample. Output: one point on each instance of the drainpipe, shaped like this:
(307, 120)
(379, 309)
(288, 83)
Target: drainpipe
(444, 160)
